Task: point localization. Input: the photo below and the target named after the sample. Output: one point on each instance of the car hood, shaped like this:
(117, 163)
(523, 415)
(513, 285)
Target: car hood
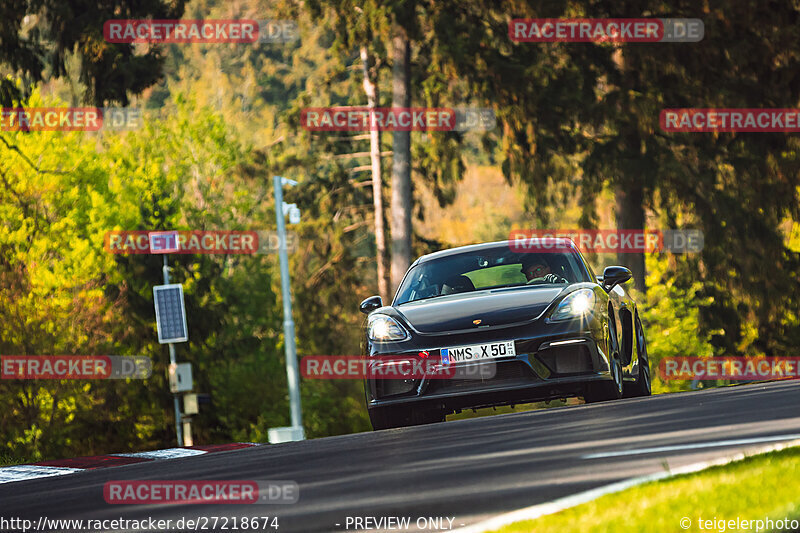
(496, 307)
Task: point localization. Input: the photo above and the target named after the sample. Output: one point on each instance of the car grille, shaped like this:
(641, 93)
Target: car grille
(507, 373)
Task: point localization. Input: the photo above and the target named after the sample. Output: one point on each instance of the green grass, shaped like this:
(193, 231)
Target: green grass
(761, 486)
(8, 460)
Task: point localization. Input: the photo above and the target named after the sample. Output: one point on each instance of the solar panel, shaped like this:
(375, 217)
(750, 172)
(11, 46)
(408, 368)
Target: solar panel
(170, 313)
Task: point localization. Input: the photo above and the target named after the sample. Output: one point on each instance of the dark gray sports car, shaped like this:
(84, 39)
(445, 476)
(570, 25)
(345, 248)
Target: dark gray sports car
(506, 328)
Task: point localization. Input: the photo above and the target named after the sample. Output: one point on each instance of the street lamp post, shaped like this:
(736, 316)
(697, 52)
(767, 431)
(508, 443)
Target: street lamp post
(295, 432)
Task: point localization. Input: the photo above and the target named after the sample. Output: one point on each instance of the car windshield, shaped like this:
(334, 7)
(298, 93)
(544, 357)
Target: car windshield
(489, 269)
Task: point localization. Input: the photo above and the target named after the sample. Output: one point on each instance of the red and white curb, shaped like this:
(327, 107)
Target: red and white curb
(60, 467)
(9, 474)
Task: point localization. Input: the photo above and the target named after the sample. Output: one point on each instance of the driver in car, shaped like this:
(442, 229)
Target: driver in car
(537, 271)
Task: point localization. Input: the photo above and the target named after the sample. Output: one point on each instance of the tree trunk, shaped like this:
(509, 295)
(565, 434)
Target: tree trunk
(629, 193)
(370, 88)
(630, 215)
(401, 161)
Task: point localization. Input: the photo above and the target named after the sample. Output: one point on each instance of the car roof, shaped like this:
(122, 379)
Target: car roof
(555, 241)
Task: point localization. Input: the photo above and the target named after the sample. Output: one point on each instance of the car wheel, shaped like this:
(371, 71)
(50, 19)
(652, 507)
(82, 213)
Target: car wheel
(612, 389)
(643, 384)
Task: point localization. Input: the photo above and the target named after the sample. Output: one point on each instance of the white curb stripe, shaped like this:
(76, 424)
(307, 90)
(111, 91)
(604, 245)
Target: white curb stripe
(10, 474)
(169, 453)
(543, 509)
(731, 442)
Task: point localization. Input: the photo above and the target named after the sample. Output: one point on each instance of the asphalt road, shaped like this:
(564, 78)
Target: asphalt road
(464, 470)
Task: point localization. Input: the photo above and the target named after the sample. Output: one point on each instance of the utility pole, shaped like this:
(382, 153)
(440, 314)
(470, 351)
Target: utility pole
(172, 362)
(295, 432)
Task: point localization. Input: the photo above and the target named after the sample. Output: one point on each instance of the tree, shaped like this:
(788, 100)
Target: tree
(738, 188)
(569, 110)
(401, 160)
(59, 294)
(37, 37)
(401, 35)
(370, 88)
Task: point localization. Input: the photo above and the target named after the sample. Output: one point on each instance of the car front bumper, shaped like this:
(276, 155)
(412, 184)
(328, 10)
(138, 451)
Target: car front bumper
(552, 360)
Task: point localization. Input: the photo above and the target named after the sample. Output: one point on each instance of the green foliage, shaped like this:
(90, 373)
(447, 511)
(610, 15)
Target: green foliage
(39, 38)
(63, 294)
(670, 314)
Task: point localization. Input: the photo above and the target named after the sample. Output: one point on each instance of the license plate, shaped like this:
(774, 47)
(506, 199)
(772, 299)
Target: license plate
(478, 352)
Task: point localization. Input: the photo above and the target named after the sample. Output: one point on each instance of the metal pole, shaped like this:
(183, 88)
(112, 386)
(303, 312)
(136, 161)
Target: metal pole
(178, 428)
(288, 324)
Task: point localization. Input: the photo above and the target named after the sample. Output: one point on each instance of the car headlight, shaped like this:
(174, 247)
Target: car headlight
(385, 328)
(576, 304)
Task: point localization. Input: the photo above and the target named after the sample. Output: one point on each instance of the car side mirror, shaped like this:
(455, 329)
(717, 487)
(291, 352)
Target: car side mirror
(370, 304)
(614, 275)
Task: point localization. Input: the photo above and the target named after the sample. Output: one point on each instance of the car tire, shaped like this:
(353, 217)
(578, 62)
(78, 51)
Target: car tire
(643, 384)
(601, 391)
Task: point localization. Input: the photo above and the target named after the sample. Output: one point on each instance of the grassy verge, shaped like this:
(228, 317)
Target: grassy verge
(758, 487)
(8, 460)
